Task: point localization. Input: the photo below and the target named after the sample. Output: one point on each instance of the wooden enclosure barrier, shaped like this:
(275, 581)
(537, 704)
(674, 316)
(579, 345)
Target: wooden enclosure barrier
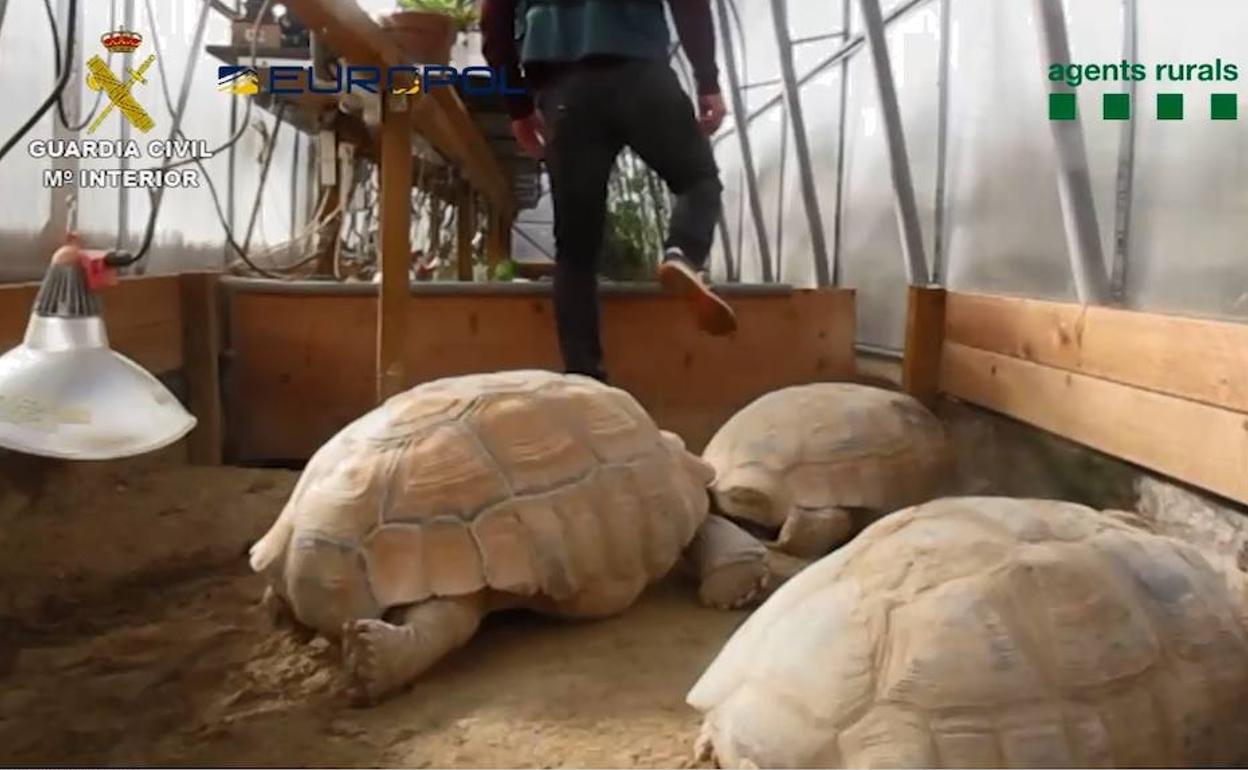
(166, 324)
(303, 357)
(1165, 392)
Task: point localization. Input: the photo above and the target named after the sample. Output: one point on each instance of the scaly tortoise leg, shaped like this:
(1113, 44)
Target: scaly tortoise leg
(730, 563)
(282, 617)
(812, 534)
(383, 658)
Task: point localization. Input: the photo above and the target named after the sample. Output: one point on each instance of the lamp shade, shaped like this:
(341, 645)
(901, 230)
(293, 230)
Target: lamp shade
(64, 393)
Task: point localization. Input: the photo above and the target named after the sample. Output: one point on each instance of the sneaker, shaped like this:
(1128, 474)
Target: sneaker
(678, 276)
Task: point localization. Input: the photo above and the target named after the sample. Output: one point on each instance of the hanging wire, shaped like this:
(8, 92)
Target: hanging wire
(62, 80)
(56, 57)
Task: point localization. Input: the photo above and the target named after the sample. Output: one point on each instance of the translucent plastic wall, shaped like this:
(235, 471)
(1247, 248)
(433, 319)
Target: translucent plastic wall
(1000, 228)
(189, 233)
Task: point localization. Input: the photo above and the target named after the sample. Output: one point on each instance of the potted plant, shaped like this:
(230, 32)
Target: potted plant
(426, 29)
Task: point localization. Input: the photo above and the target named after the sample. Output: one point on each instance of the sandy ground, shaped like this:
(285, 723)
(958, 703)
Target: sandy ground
(189, 673)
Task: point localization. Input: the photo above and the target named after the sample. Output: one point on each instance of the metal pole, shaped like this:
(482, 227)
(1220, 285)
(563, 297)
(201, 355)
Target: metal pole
(838, 222)
(743, 137)
(942, 146)
(123, 194)
(801, 144)
(784, 157)
(849, 49)
(898, 160)
(1126, 165)
(1074, 183)
(726, 239)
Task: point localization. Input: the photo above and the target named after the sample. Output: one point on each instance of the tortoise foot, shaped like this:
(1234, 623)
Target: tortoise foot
(734, 586)
(373, 653)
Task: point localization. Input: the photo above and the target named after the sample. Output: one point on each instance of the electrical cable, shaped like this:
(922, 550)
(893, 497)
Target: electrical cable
(270, 148)
(56, 57)
(212, 187)
(61, 82)
(116, 258)
(242, 126)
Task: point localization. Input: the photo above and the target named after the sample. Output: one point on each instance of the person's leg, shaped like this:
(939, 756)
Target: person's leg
(660, 125)
(580, 152)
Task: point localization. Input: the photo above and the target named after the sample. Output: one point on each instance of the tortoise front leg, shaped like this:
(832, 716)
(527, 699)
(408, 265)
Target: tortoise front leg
(730, 563)
(382, 658)
(812, 534)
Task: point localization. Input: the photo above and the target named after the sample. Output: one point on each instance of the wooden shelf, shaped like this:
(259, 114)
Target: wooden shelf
(440, 116)
(233, 54)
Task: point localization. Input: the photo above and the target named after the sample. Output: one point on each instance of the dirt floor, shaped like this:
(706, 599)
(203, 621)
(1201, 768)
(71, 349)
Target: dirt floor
(189, 673)
(130, 635)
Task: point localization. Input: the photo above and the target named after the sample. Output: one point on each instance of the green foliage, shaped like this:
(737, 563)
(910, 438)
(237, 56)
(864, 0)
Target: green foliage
(637, 213)
(462, 12)
(505, 271)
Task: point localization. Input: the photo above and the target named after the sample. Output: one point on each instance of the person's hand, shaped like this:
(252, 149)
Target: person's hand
(711, 112)
(530, 133)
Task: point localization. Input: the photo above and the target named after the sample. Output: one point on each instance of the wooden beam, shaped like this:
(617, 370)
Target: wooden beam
(440, 117)
(1198, 359)
(1200, 444)
(465, 229)
(925, 332)
(201, 349)
(396, 247)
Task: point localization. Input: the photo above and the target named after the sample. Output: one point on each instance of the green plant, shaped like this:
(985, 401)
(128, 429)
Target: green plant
(637, 214)
(462, 12)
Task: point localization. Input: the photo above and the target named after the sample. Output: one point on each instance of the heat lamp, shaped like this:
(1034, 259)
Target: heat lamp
(64, 393)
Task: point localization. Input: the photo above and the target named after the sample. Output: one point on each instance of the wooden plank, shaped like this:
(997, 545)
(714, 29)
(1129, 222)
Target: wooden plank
(1199, 359)
(143, 317)
(440, 116)
(299, 373)
(396, 247)
(925, 332)
(465, 229)
(202, 346)
(1193, 442)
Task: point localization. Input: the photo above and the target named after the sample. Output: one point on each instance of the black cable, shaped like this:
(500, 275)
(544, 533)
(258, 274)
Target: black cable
(56, 91)
(270, 147)
(119, 258)
(56, 57)
(203, 169)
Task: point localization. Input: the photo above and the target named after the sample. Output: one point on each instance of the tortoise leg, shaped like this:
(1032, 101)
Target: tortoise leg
(382, 658)
(812, 534)
(730, 563)
(282, 617)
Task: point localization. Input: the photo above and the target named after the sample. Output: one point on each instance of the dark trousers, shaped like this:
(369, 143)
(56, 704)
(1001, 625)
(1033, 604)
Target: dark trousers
(592, 111)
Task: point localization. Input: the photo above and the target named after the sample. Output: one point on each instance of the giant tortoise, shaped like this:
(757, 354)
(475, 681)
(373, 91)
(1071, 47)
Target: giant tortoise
(470, 494)
(988, 632)
(810, 464)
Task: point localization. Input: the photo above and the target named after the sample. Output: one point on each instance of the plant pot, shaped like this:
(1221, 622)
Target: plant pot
(425, 38)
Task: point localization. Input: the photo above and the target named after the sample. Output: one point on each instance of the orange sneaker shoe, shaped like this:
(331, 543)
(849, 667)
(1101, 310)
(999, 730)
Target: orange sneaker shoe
(677, 276)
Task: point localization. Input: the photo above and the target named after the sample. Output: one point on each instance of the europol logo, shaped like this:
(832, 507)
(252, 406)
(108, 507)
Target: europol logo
(243, 81)
(101, 78)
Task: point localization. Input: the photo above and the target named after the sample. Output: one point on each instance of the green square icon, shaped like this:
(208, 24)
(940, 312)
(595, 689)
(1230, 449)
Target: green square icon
(1116, 106)
(1169, 106)
(1061, 106)
(1224, 107)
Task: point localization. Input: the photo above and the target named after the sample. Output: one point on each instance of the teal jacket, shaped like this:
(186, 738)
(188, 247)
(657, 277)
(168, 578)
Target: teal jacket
(529, 32)
(570, 30)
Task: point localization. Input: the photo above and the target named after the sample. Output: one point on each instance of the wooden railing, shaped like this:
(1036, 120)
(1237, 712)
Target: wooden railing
(1165, 392)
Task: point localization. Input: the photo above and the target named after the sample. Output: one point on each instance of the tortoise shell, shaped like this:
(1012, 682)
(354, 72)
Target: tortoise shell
(527, 483)
(988, 632)
(827, 445)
